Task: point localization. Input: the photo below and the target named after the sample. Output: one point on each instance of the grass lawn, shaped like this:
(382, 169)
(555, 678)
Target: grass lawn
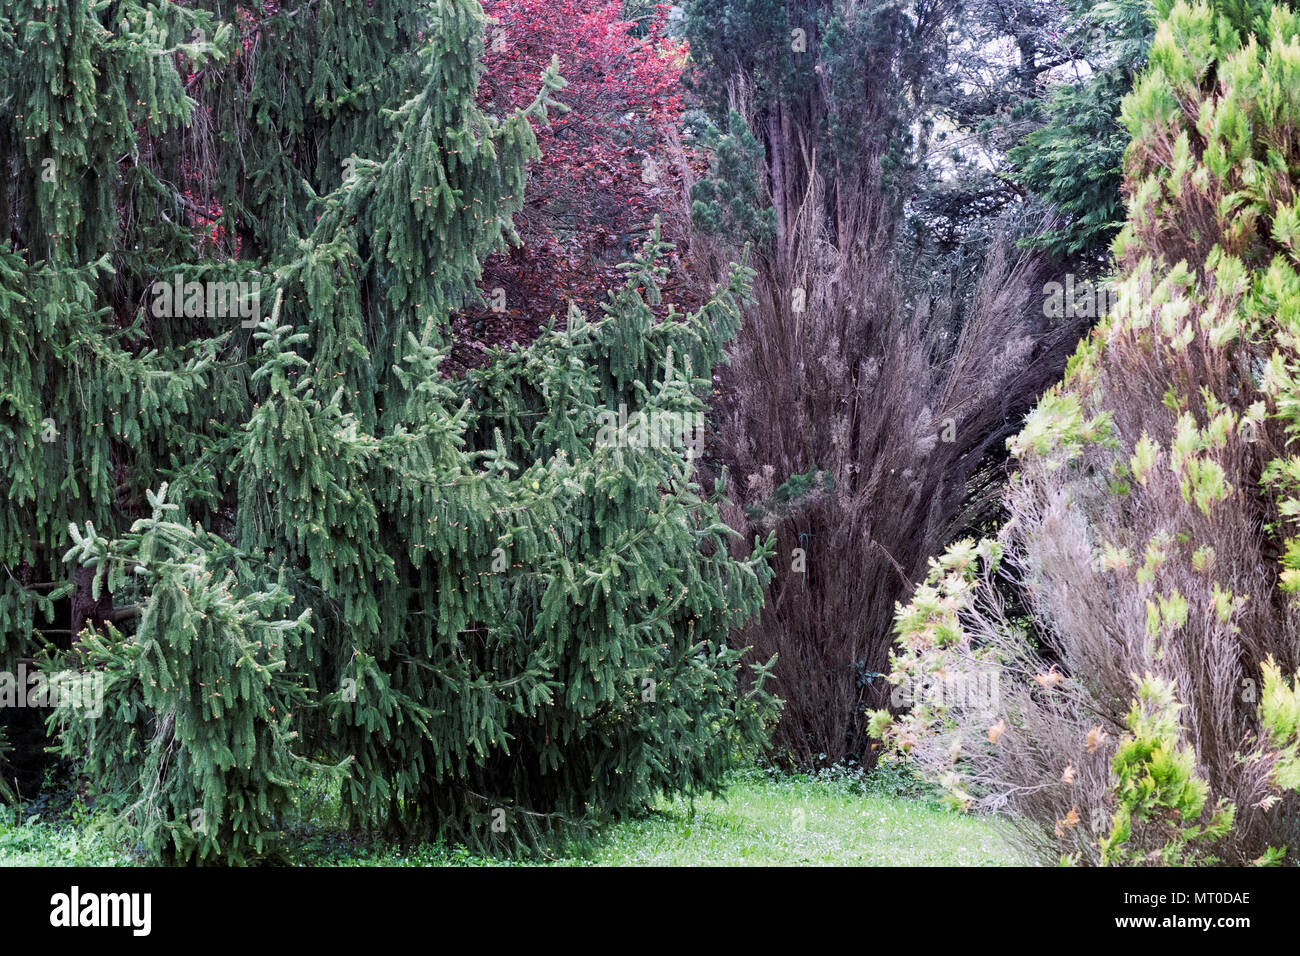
(764, 821)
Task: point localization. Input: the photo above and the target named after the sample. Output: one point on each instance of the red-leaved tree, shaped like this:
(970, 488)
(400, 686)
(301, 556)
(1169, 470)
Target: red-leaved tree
(608, 167)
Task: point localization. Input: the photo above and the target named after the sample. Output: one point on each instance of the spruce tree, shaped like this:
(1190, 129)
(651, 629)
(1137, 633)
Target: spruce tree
(1074, 160)
(95, 405)
(301, 545)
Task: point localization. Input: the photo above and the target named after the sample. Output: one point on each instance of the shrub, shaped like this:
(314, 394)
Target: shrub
(863, 423)
(1156, 784)
(1153, 519)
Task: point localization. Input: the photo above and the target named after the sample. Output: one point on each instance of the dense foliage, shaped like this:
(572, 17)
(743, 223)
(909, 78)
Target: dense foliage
(1074, 160)
(286, 543)
(611, 160)
(504, 416)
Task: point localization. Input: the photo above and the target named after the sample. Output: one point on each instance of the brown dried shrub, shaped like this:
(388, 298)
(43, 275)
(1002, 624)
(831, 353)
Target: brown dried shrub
(896, 416)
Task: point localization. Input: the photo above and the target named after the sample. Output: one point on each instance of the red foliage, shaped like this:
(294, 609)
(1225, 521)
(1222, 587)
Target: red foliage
(608, 166)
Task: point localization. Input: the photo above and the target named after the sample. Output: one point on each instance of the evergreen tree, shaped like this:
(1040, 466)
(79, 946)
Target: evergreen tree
(1074, 160)
(92, 406)
(729, 201)
(196, 737)
(491, 610)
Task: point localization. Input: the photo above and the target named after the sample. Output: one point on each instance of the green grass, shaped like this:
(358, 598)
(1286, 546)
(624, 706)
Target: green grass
(34, 841)
(802, 821)
(832, 820)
